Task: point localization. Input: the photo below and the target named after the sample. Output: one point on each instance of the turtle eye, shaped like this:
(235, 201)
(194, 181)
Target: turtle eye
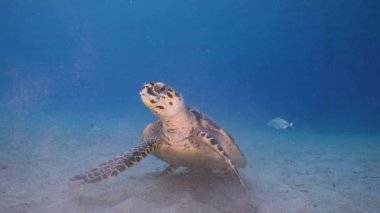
(150, 91)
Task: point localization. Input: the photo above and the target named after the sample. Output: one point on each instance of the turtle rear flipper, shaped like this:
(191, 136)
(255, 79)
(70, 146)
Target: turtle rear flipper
(119, 164)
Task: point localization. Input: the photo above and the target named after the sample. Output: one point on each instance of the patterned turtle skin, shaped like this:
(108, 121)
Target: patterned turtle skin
(182, 136)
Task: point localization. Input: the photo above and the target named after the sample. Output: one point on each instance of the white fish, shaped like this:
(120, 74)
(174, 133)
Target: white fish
(280, 123)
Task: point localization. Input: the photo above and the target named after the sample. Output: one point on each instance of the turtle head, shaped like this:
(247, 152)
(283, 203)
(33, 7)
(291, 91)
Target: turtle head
(162, 99)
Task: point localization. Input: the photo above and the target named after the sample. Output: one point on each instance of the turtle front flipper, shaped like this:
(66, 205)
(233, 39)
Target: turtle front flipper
(118, 164)
(212, 142)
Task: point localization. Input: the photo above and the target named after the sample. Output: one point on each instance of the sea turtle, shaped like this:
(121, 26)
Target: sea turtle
(182, 136)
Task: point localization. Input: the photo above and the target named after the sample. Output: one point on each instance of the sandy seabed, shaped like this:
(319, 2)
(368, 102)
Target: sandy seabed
(289, 171)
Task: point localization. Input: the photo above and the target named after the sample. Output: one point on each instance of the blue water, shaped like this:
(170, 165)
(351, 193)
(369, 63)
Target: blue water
(243, 62)
(315, 62)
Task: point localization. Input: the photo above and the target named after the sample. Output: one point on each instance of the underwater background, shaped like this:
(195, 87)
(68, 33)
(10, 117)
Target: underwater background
(76, 65)
(313, 61)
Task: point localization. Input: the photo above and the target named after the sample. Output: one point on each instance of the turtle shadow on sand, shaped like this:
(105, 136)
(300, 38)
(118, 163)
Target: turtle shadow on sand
(184, 191)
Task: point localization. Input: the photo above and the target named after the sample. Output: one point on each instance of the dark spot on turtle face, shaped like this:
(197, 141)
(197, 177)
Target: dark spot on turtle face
(170, 95)
(104, 176)
(171, 103)
(177, 94)
(160, 107)
(152, 101)
(220, 148)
